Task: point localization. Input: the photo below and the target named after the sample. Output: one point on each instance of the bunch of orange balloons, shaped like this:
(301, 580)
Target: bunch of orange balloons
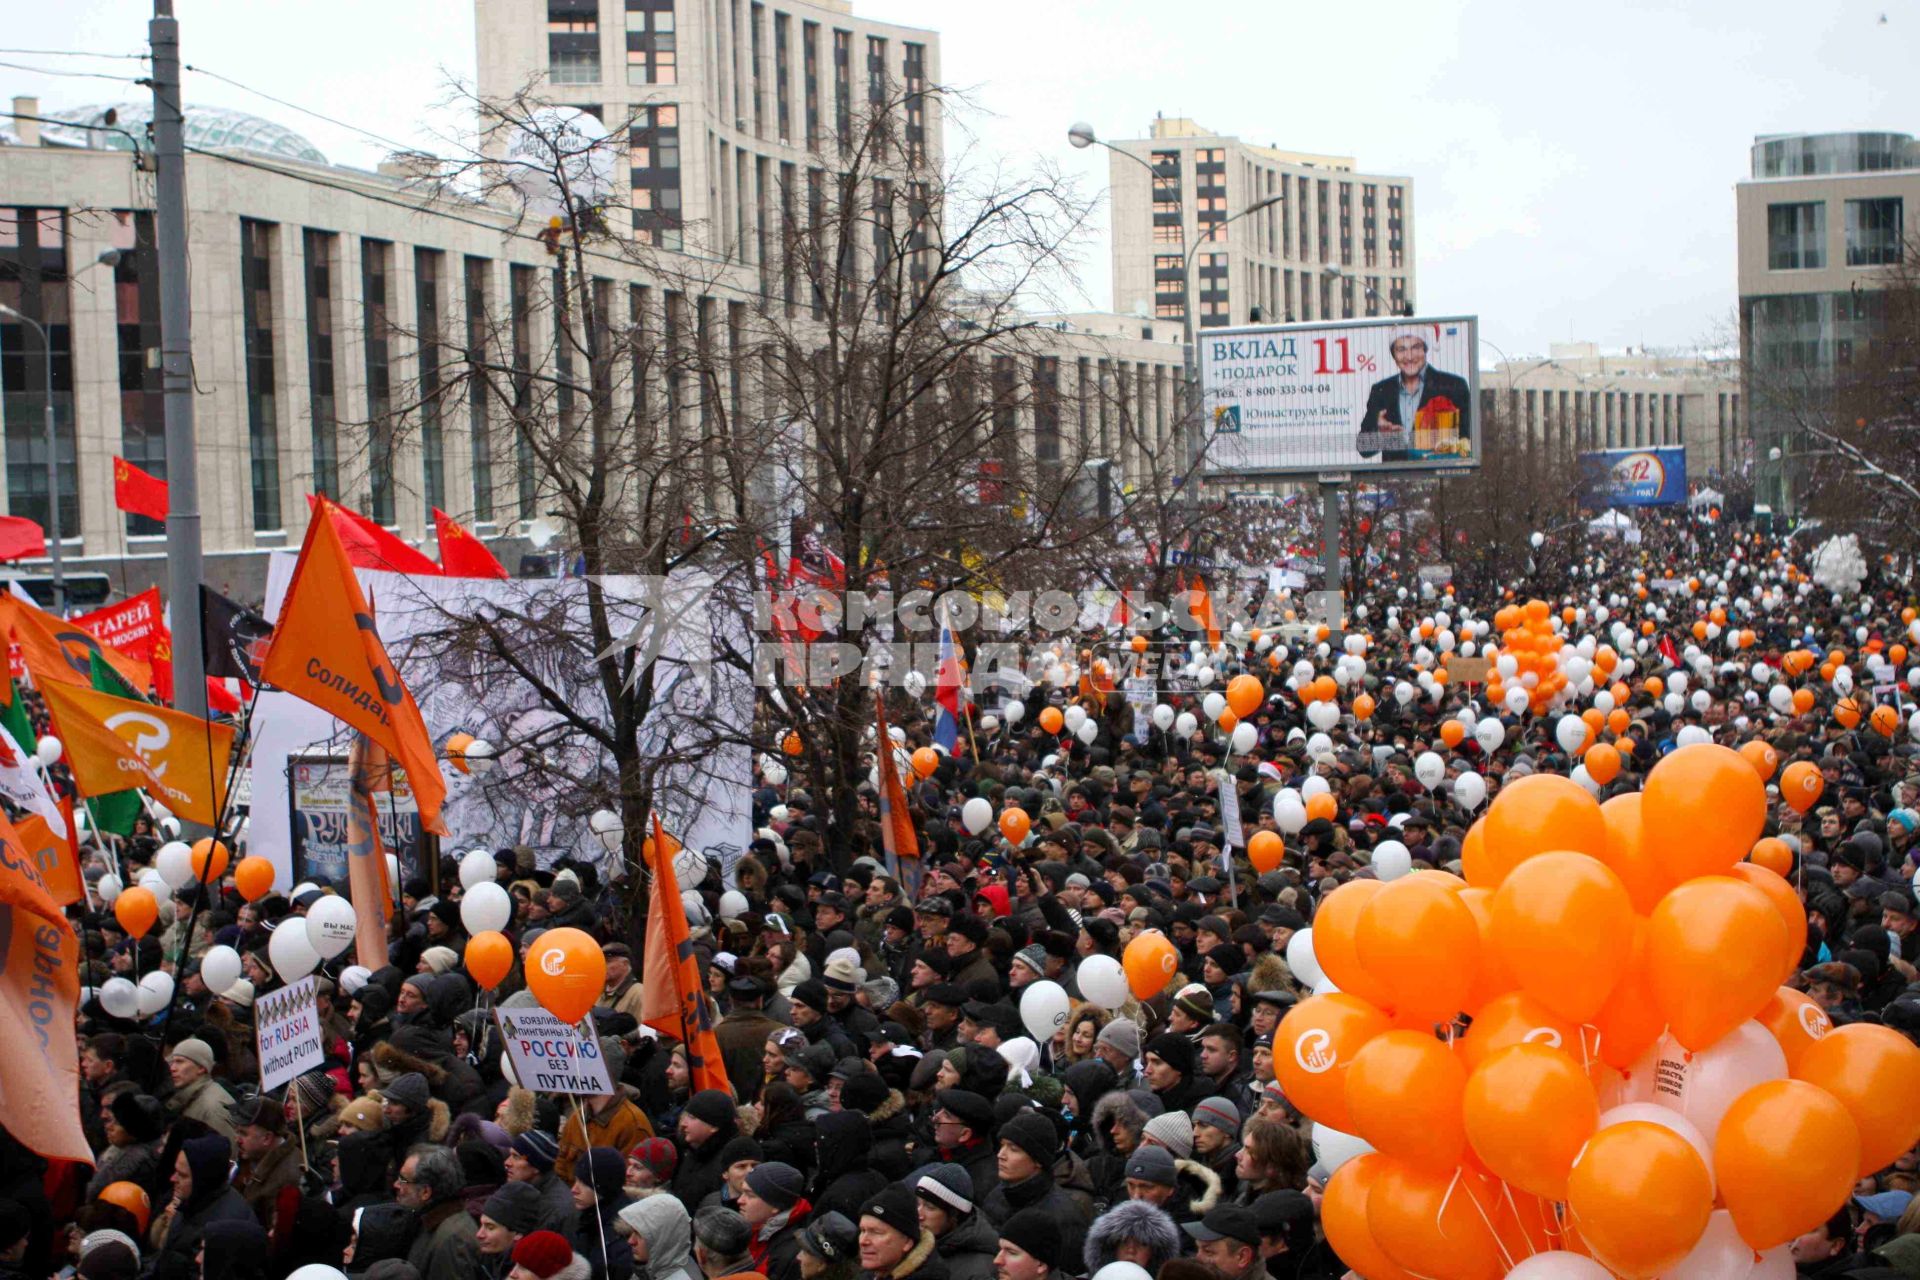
(1632, 1083)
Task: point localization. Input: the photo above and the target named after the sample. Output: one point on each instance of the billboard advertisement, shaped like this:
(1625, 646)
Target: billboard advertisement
(1655, 477)
(1378, 395)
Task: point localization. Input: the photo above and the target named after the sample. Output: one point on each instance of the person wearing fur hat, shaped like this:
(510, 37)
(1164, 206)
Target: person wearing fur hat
(963, 1237)
(893, 1244)
(1136, 1231)
(1028, 1147)
(613, 1119)
(546, 1255)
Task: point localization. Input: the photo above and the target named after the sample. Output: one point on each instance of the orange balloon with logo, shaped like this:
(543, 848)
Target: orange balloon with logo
(1715, 948)
(1363, 706)
(1640, 1197)
(1509, 1019)
(1403, 1096)
(1420, 941)
(1343, 1219)
(208, 859)
(1149, 961)
(1051, 719)
(1540, 812)
(1264, 850)
(136, 910)
(1603, 762)
(567, 973)
(1527, 1110)
(1015, 824)
(1786, 902)
(130, 1196)
(1801, 784)
(1245, 694)
(1563, 925)
(1762, 757)
(1796, 1020)
(1336, 932)
(1432, 1223)
(1874, 1072)
(1772, 853)
(253, 877)
(1786, 1157)
(925, 761)
(1314, 1047)
(489, 958)
(1703, 807)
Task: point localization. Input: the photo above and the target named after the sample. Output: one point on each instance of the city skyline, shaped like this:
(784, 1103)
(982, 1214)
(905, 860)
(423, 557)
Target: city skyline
(1622, 234)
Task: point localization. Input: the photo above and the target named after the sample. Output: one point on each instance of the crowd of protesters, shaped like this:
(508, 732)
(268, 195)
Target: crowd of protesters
(890, 1115)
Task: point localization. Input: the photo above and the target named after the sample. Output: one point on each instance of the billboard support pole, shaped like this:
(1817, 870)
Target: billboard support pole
(1330, 542)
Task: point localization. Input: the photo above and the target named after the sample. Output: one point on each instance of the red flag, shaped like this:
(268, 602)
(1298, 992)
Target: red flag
(461, 554)
(20, 538)
(137, 492)
(672, 1000)
(130, 626)
(371, 547)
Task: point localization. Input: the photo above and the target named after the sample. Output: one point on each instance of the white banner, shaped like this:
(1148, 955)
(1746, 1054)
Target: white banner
(287, 1031)
(548, 1056)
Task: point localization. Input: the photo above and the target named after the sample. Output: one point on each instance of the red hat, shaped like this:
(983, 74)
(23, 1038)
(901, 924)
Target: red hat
(544, 1253)
(657, 1154)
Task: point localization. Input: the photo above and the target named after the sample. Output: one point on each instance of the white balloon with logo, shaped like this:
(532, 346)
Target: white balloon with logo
(330, 925)
(1043, 1009)
(1103, 981)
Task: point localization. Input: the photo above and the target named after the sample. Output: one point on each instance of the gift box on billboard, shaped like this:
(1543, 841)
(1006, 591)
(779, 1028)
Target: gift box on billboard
(1436, 426)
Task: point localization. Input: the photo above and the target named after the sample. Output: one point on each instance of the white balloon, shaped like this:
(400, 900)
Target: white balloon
(1690, 734)
(1720, 1254)
(1315, 785)
(1570, 732)
(1391, 860)
(292, 955)
(1701, 1086)
(153, 882)
(220, 968)
(1013, 712)
(1654, 1113)
(1290, 814)
(1244, 737)
(976, 815)
(47, 751)
(1780, 698)
(1585, 779)
(1429, 769)
(330, 925)
(1103, 981)
(1213, 704)
(119, 997)
(174, 862)
(1087, 732)
(1559, 1264)
(1489, 733)
(733, 904)
(156, 991)
(1043, 1009)
(1470, 791)
(1075, 717)
(320, 1270)
(1517, 699)
(1332, 1148)
(988, 724)
(1185, 724)
(1701, 700)
(1323, 715)
(775, 773)
(1301, 958)
(1403, 693)
(477, 867)
(485, 908)
(108, 887)
(1319, 745)
(1163, 717)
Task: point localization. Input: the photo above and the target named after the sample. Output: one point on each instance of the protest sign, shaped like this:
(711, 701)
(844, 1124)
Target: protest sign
(549, 1056)
(287, 1027)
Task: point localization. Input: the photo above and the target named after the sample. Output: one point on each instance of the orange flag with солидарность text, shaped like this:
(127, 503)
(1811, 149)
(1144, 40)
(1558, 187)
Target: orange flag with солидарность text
(672, 1000)
(326, 651)
(115, 744)
(39, 991)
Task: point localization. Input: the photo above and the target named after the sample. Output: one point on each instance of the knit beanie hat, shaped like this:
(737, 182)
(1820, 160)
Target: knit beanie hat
(602, 1169)
(1173, 1049)
(1034, 957)
(1122, 1034)
(1172, 1130)
(780, 1185)
(1220, 1113)
(538, 1148)
(1035, 1233)
(364, 1115)
(947, 1185)
(1034, 1134)
(316, 1090)
(711, 1106)
(409, 1091)
(515, 1206)
(863, 1093)
(660, 1156)
(440, 959)
(1195, 1001)
(544, 1253)
(897, 1207)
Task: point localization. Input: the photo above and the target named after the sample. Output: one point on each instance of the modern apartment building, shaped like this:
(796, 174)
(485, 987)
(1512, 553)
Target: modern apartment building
(1820, 219)
(1332, 242)
(1577, 398)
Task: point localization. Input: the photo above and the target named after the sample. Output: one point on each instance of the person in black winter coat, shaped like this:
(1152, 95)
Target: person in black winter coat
(599, 1195)
(963, 1135)
(1170, 1064)
(886, 1110)
(233, 1250)
(201, 1197)
(843, 1180)
(963, 1238)
(1028, 1147)
(706, 1126)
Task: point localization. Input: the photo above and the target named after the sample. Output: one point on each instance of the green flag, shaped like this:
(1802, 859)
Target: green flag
(14, 717)
(115, 813)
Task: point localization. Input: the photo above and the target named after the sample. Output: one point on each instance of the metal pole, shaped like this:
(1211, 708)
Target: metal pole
(176, 364)
(53, 480)
(1330, 541)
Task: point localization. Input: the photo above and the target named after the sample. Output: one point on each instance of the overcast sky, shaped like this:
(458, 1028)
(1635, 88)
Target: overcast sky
(1573, 166)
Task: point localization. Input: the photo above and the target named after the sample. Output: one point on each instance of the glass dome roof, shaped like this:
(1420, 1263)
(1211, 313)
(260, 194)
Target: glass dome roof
(209, 127)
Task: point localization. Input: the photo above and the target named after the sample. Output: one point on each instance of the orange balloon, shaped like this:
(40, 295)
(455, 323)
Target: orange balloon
(1325, 689)
(1801, 784)
(130, 1196)
(1847, 712)
(1762, 757)
(1363, 706)
(791, 744)
(567, 973)
(1874, 1072)
(1227, 720)
(489, 958)
(1336, 932)
(1603, 763)
(1051, 719)
(1510, 1019)
(1796, 1020)
(1149, 961)
(1786, 1156)
(1655, 686)
(1475, 864)
(1403, 1096)
(1245, 694)
(1714, 956)
(1015, 824)
(1629, 1022)
(1314, 1047)
(1343, 1219)
(1528, 1110)
(1786, 902)
(1885, 721)
(136, 910)
(1704, 807)
(925, 761)
(1563, 925)
(209, 859)
(1264, 850)
(1802, 701)
(1640, 1196)
(1492, 978)
(1432, 1222)
(1772, 853)
(1420, 940)
(1646, 881)
(1452, 732)
(253, 877)
(1322, 805)
(1541, 812)
(1617, 721)
(1139, 644)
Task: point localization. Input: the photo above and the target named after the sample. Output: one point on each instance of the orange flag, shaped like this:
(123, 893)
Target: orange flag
(116, 743)
(39, 990)
(59, 652)
(896, 822)
(368, 770)
(672, 1000)
(1200, 605)
(325, 651)
(55, 858)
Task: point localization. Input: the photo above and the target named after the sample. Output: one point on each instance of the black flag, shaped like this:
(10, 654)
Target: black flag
(236, 638)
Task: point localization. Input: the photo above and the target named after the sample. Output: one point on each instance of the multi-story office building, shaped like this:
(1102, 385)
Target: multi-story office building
(1820, 219)
(1332, 244)
(1577, 397)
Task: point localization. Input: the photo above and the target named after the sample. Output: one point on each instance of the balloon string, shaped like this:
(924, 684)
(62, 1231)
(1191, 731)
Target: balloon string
(599, 1221)
(1506, 1189)
(1479, 1208)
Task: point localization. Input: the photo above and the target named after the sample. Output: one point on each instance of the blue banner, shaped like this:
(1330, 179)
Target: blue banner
(1655, 477)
